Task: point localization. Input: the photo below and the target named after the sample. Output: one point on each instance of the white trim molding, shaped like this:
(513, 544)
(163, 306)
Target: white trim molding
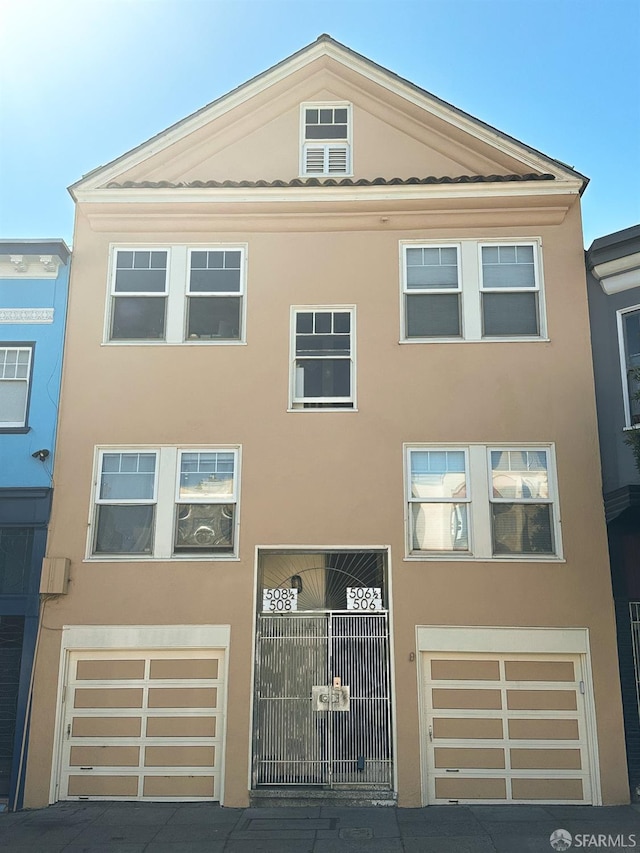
(145, 636)
(619, 274)
(441, 638)
(26, 315)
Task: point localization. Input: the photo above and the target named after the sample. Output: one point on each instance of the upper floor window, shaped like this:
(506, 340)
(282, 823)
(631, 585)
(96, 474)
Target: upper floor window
(472, 291)
(629, 338)
(481, 502)
(326, 139)
(15, 380)
(322, 358)
(178, 294)
(139, 302)
(214, 297)
(164, 503)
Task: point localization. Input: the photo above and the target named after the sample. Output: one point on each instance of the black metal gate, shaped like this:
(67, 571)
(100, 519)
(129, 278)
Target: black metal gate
(322, 707)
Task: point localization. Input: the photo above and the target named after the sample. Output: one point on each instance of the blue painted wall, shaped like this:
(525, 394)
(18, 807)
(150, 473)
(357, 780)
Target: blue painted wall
(17, 467)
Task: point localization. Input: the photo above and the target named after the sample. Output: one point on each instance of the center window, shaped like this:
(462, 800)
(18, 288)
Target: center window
(322, 364)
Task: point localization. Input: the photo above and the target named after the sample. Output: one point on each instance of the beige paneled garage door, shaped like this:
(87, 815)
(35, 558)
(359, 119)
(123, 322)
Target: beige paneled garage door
(505, 728)
(143, 725)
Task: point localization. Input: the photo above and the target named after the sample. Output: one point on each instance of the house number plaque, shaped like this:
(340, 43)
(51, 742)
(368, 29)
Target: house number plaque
(364, 598)
(279, 600)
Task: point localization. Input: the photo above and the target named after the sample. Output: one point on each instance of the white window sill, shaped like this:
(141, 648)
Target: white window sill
(522, 339)
(159, 343)
(327, 409)
(451, 558)
(631, 428)
(186, 558)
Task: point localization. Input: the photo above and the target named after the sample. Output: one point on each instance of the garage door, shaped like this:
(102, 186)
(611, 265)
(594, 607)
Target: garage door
(505, 728)
(143, 725)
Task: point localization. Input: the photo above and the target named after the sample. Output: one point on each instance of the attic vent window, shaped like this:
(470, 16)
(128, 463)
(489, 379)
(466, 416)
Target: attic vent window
(326, 140)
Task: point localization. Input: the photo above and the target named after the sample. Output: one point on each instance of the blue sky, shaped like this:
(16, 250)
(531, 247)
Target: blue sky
(84, 81)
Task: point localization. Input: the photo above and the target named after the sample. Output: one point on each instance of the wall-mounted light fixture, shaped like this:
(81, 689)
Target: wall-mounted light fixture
(41, 454)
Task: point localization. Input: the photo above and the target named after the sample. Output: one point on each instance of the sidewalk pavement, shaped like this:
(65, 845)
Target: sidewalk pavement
(108, 827)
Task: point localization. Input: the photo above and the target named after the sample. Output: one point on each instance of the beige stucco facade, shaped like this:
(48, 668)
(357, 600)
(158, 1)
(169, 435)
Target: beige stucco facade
(326, 479)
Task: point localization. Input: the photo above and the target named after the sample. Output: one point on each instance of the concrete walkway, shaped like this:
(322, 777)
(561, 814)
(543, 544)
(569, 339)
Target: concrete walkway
(82, 827)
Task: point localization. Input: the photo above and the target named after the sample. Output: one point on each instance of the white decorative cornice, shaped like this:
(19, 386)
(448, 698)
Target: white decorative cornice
(19, 263)
(619, 274)
(50, 263)
(26, 315)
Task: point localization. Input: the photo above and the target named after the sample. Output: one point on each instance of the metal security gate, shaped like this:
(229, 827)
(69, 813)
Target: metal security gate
(322, 714)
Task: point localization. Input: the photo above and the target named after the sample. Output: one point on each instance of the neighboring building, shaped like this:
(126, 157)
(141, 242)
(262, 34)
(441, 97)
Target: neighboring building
(33, 298)
(329, 344)
(613, 283)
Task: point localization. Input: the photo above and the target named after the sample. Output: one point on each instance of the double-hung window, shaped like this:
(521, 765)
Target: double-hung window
(214, 297)
(165, 503)
(481, 502)
(521, 502)
(438, 499)
(509, 291)
(15, 380)
(139, 295)
(178, 294)
(126, 503)
(326, 133)
(322, 360)
(629, 339)
(472, 291)
(432, 291)
(205, 501)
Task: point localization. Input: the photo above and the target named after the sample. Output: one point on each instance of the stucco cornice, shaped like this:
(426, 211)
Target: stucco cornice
(137, 219)
(325, 194)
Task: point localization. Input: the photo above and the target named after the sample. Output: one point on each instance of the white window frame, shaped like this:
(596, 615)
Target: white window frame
(100, 501)
(236, 294)
(439, 499)
(18, 346)
(430, 291)
(206, 499)
(296, 403)
(478, 502)
(177, 294)
(138, 294)
(471, 288)
(326, 144)
(620, 316)
(166, 494)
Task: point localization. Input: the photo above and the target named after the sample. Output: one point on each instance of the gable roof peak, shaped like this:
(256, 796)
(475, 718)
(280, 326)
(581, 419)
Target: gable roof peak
(327, 46)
